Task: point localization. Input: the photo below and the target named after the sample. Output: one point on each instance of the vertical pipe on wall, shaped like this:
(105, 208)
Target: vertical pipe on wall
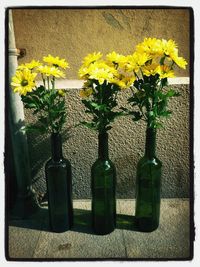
(26, 201)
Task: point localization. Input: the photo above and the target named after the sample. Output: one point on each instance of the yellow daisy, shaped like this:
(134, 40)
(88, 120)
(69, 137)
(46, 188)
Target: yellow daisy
(180, 61)
(151, 69)
(116, 58)
(23, 81)
(141, 59)
(83, 72)
(124, 81)
(152, 46)
(56, 61)
(91, 58)
(102, 72)
(51, 71)
(165, 72)
(31, 65)
(169, 47)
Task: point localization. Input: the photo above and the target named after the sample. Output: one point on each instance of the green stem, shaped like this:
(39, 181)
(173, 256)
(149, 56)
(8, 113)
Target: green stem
(100, 112)
(154, 104)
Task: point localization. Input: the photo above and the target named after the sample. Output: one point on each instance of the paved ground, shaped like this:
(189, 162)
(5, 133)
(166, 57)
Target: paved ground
(31, 239)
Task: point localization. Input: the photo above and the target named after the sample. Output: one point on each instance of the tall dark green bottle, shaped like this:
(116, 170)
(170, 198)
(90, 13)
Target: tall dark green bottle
(148, 183)
(103, 190)
(59, 188)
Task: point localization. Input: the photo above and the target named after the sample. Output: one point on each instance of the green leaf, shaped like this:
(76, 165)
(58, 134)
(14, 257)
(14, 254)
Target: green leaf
(166, 113)
(160, 95)
(35, 128)
(161, 106)
(158, 125)
(172, 93)
(87, 104)
(89, 125)
(151, 114)
(30, 105)
(98, 107)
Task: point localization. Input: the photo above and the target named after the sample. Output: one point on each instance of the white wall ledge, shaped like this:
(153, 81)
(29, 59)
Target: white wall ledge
(77, 84)
(179, 80)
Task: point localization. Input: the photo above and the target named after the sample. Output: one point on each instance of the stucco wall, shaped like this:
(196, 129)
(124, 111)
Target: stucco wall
(126, 142)
(71, 34)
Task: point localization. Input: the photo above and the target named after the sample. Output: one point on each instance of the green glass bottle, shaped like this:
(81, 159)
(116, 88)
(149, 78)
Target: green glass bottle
(59, 187)
(148, 183)
(103, 174)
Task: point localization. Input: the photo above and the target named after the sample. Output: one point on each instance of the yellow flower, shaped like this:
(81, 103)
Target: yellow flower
(169, 47)
(180, 61)
(141, 59)
(56, 61)
(51, 71)
(102, 72)
(116, 58)
(91, 58)
(171, 51)
(61, 92)
(23, 81)
(151, 46)
(130, 64)
(124, 82)
(135, 61)
(165, 72)
(83, 72)
(31, 65)
(151, 69)
(86, 92)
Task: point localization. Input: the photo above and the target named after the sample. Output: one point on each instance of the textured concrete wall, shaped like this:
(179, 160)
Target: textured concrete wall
(73, 33)
(126, 142)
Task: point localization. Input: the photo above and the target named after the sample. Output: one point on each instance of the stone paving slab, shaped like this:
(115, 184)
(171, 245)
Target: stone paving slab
(33, 239)
(170, 240)
(80, 242)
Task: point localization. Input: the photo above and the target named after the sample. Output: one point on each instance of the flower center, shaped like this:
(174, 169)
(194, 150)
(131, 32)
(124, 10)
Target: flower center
(24, 83)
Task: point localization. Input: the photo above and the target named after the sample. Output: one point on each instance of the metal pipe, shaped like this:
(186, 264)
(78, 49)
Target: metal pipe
(26, 202)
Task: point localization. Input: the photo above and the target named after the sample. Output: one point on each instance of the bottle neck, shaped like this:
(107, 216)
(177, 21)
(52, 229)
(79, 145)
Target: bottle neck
(150, 146)
(56, 146)
(103, 146)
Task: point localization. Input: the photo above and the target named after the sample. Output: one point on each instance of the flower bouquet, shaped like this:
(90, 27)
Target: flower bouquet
(152, 63)
(103, 81)
(48, 104)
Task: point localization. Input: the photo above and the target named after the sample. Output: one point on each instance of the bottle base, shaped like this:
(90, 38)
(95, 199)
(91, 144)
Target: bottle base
(103, 232)
(58, 227)
(60, 230)
(145, 224)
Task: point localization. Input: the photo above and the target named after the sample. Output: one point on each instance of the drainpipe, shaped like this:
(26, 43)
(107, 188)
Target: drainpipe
(26, 202)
